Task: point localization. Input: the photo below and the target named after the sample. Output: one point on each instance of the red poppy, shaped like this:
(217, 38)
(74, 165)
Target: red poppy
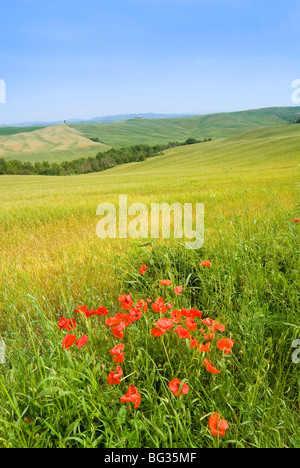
(211, 369)
(143, 269)
(296, 220)
(68, 341)
(142, 305)
(195, 313)
(114, 377)
(207, 322)
(117, 331)
(118, 354)
(191, 324)
(225, 345)
(85, 311)
(82, 342)
(67, 324)
(218, 426)
(194, 343)
(209, 337)
(126, 301)
(159, 306)
(218, 326)
(166, 283)
(156, 332)
(135, 314)
(206, 263)
(164, 324)
(115, 320)
(101, 311)
(176, 316)
(178, 290)
(182, 332)
(132, 396)
(204, 348)
(175, 385)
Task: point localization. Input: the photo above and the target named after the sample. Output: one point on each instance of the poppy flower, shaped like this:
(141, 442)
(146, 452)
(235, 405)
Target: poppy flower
(118, 354)
(68, 341)
(191, 324)
(217, 426)
(159, 306)
(132, 396)
(204, 348)
(185, 312)
(135, 314)
(175, 385)
(211, 369)
(206, 263)
(194, 343)
(156, 332)
(296, 220)
(67, 324)
(117, 331)
(101, 311)
(114, 377)
(178, 290)
(143, 269)
(142, 305)
(195, 313)
(209, 337)
(218, 326)
(164, 324)
(166, 283)
(182, 332)
(207, 322)
(82, 342)
(225, 345)
(176, 316)
(85, 311)
(126, 301)
(115, 320)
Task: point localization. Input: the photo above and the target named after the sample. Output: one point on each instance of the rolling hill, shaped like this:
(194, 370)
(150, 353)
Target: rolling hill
(57, 143)
(129, 132)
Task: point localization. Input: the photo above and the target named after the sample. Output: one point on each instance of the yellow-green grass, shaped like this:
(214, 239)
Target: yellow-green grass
(152, 131)
(51, 260)
(57, 143)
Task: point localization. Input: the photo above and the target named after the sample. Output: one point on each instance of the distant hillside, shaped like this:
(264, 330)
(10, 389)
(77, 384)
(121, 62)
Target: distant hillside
(64, 142)
(149, 131)
(54, 144)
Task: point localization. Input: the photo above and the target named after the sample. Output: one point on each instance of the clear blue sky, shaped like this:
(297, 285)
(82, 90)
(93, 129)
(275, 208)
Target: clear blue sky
(64, 59)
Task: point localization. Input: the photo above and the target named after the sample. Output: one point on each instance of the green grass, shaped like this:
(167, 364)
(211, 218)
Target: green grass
(51, 261)
(126, 133)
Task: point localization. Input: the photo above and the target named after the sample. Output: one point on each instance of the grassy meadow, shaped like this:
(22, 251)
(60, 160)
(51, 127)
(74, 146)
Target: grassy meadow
(52, 262)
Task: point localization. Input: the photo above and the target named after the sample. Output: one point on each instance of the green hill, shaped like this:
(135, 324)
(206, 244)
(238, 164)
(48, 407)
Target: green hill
(129, 132)
(56, 143)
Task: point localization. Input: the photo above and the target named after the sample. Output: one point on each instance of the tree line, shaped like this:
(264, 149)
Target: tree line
(102, 161)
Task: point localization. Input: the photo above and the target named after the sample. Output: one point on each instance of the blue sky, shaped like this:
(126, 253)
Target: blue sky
(64, 59)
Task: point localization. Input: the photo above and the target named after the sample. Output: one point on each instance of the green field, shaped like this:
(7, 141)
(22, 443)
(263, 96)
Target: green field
(52, 261)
